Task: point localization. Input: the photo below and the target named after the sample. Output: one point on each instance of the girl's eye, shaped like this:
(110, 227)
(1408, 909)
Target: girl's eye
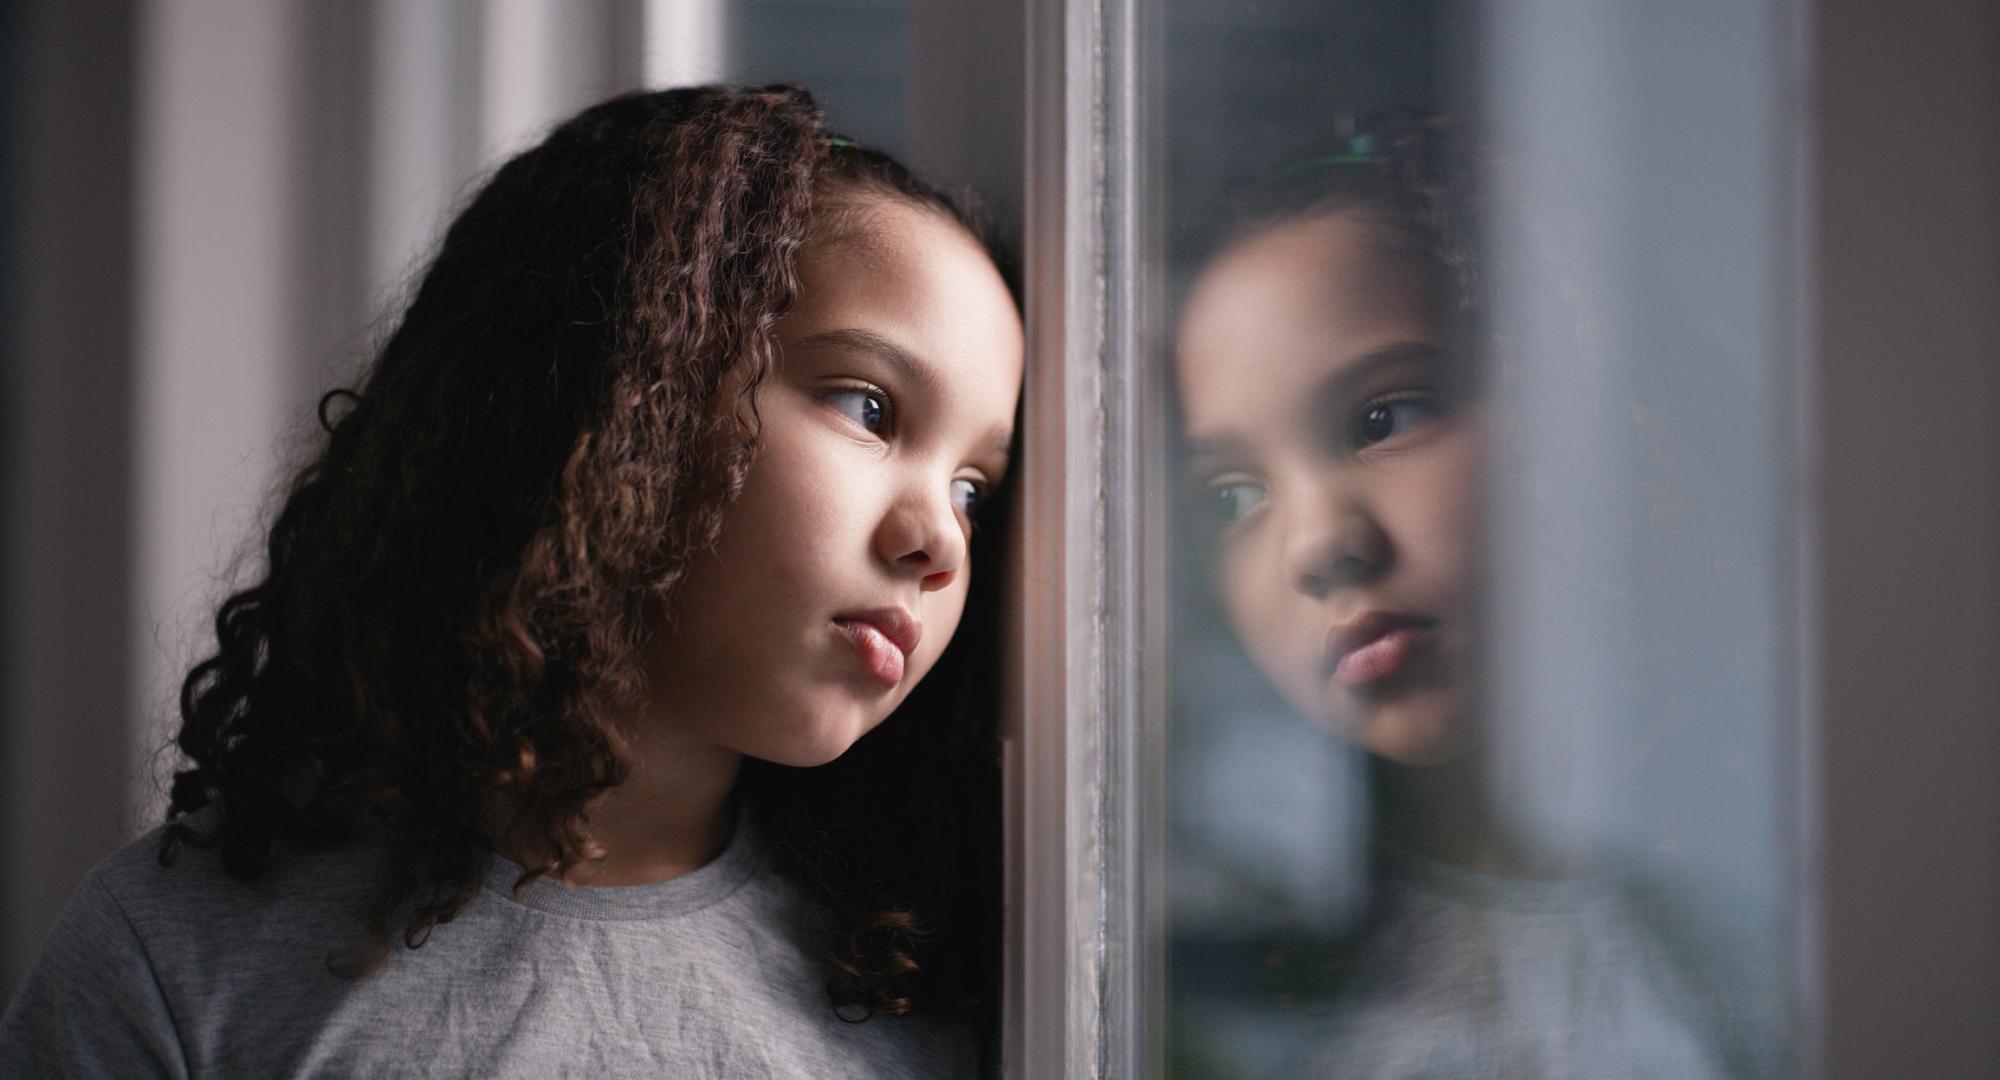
(1386, 418)
(966, 495)
(868, 408)
(1231, 500)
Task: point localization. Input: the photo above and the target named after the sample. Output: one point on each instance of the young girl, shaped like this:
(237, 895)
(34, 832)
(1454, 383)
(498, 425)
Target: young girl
(515, 762)
(1328, 379)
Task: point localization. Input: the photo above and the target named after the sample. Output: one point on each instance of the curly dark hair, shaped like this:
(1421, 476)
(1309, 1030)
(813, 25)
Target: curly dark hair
(456, 585)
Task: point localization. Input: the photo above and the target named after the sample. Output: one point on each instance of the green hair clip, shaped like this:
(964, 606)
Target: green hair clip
(843, 143)
(1360, 150)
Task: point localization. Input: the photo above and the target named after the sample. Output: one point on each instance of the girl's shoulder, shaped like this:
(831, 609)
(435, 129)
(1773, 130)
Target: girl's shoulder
(106, 997)
(181, 968)
(185, 892)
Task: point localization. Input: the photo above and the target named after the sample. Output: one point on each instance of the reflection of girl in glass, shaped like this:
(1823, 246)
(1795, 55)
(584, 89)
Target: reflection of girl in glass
(515, 761)
(1326, 365)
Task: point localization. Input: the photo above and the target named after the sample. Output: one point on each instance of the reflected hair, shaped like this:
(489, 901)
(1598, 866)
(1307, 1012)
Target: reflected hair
(1405, 172)
(455, 591)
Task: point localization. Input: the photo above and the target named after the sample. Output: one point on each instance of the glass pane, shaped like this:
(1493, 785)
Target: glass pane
(1477, 344)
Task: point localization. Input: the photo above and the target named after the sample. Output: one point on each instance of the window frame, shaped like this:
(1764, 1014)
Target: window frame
(1085, 933)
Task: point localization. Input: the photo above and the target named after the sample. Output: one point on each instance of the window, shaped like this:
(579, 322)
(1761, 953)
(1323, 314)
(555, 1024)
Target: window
(1410, 635)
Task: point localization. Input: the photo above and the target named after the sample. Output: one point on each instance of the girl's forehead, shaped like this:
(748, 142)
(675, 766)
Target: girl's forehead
(1297, 291)
(915, 278)
(854, 215)
(1285, 312)
(894, 242)
(1340, 256)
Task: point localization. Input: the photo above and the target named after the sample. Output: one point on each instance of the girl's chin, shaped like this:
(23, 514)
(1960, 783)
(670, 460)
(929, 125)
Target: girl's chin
(1423, 729)
(813, 743)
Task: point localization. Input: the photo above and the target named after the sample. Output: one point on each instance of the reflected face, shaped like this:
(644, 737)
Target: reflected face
(841, 570)
(1331, 445)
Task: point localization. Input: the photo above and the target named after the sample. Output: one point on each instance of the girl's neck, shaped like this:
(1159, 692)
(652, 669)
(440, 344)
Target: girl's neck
(674, 813)
(1445, 812)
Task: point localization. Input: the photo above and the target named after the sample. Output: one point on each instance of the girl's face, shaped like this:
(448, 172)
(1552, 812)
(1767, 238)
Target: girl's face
(841, 570)
(1331, 445)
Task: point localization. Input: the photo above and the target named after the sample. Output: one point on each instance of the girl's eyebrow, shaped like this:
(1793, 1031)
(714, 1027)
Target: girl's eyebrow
(1212, 446)
(1333, 391)
(1341, 385)
(906, 364)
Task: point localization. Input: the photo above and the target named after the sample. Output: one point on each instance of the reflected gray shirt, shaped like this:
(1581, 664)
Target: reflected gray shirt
(1464, 976)
(184, 971)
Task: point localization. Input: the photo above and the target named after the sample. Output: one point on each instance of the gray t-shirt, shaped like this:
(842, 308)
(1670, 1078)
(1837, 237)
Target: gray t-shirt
(1468, 977)
(184, 971)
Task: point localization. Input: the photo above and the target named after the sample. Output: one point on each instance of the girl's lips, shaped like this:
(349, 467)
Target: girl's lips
(883, 641)
(1373, 647)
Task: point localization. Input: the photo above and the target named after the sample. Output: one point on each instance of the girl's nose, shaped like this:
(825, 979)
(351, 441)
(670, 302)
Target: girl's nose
(1332, 546)
(921, 535)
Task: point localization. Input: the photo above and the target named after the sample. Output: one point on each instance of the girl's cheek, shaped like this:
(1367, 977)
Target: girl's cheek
(1453, 505)
(1426, 501)
(1235, 584)
(1260, 607)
